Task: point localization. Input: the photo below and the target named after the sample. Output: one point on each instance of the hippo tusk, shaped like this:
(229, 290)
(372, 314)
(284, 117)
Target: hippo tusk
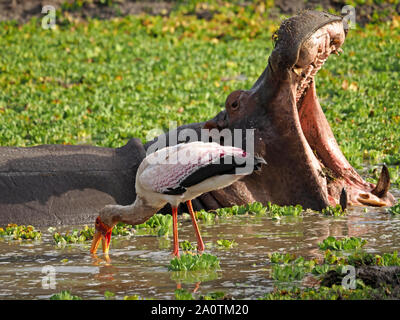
(298, 71)
(382, 187)
(343, 199)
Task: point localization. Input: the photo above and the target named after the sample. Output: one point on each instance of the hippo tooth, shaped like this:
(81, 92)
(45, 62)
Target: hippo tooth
(298, 71)
(383, 185)
(343, 199)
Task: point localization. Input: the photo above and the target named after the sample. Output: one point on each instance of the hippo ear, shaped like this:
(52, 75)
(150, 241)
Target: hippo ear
(220, 121)
(210, 124)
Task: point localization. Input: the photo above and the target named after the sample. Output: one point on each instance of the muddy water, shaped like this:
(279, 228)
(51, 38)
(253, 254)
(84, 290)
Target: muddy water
(139, 264)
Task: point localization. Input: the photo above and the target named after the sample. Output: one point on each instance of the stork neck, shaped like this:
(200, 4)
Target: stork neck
(136, 213)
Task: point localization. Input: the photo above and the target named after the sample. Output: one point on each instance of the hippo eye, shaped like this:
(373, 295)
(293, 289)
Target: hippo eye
(234, 105)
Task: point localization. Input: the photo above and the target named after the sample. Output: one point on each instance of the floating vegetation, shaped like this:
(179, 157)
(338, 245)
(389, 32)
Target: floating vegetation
(182, 294)
(108, 295)
(193, 262)
(64, 295)
(347, 243)
(74, 236)
(159, 224)
(276, 211)
(189, 277)
(294, 270)
(22, 232)
(362, 258)
(336, 211)
(287, 272)
(335, 292)
(80, 236)
(395, 209)
(320, 269)
(187, 246)
(256, 208)
(277, 257)
(224, 243)
(133, 297)
(122, 229)
(286, 268)
(206, 216)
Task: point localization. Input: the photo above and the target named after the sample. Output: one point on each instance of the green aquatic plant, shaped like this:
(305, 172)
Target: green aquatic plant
(362, 258)
(287, 272)
(187, 246)
(108, 295)
(123, 229)
(347, 243)
(335, 292)
(285, 268)
(255, 208)
(188, 276)
(87, 233)
(231, 211)
(64, 295)
(158, 224)
(182, 294)
(193, 262)
(336, 211)
(276, 211)
(321, 269)
(277, 257)
(388, 259)
(335, 257)
(133, 297)
(74, 236)
(217, 295)
(395, 210)
(206, 216)
(224, 243)
(22, 232)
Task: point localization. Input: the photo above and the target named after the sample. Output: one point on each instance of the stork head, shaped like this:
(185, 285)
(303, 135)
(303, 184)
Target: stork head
(103, 234)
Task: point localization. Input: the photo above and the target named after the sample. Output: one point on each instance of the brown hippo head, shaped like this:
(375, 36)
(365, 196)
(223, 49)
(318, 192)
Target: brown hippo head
(305, 164)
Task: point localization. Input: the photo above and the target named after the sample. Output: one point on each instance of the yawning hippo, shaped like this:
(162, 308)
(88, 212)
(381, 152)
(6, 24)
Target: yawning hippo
(68, 184)
(305, 164)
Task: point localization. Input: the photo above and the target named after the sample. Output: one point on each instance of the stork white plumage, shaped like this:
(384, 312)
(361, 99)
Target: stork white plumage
(175, 175)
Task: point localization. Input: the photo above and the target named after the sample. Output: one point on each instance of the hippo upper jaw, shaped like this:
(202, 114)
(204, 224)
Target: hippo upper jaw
(305, 164)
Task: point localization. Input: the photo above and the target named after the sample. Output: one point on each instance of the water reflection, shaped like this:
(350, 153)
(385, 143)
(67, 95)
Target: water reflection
(139, 265)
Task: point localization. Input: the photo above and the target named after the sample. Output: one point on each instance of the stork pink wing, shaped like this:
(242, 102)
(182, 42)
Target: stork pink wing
(169, 166)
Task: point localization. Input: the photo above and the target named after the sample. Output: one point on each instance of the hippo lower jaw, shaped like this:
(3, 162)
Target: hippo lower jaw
(305, 164)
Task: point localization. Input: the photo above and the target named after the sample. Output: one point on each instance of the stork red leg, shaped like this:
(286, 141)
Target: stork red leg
(200, 243)
(175, 228)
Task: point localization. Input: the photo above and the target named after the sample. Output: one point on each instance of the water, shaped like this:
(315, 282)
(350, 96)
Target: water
(138, 264)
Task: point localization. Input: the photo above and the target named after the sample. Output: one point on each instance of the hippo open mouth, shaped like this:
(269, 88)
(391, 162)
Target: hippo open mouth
(305, 164)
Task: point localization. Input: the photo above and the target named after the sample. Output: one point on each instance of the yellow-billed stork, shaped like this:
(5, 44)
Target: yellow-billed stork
(174, 175)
